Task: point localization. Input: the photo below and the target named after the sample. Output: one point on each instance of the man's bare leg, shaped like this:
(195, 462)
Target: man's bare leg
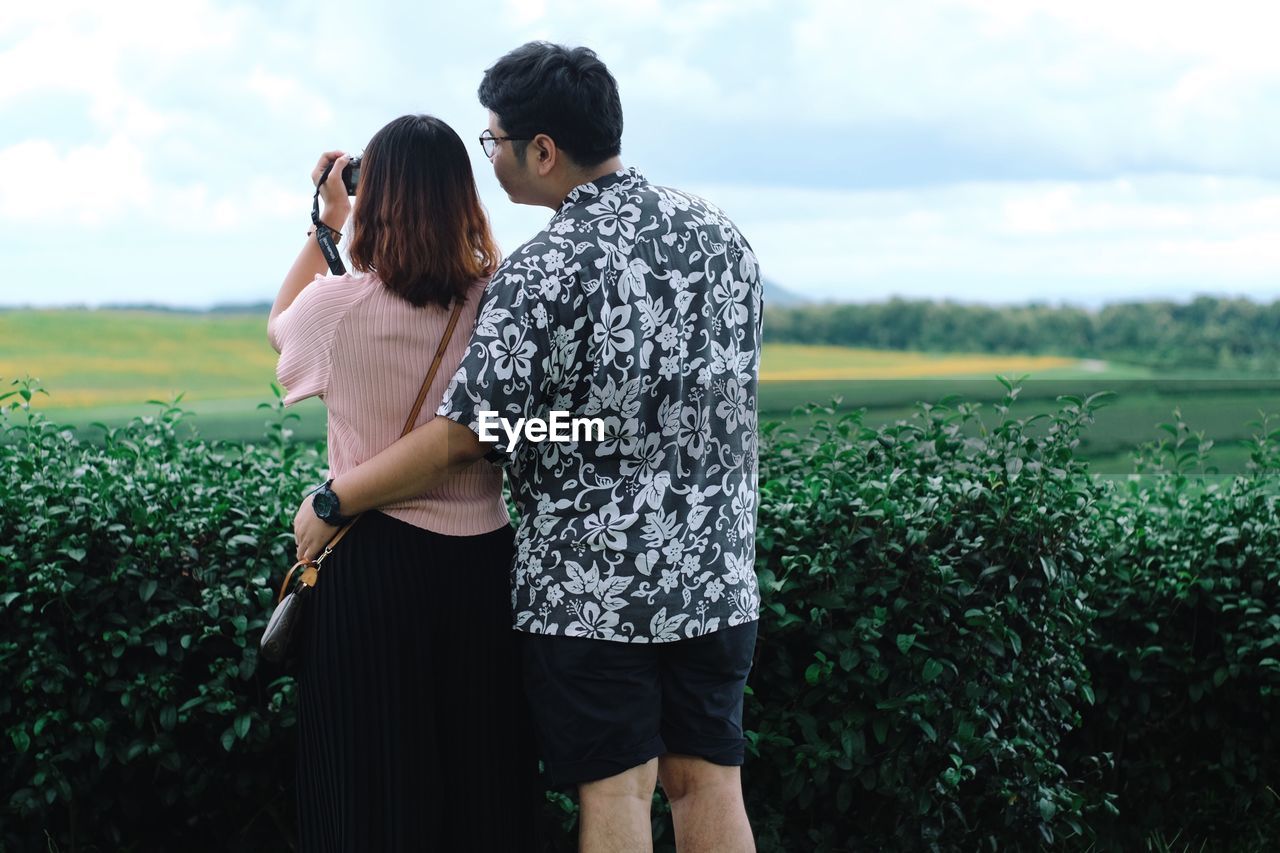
(706, 805)
(615, 812)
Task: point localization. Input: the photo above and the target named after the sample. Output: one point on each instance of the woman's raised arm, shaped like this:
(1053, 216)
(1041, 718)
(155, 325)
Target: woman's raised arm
(310, 261)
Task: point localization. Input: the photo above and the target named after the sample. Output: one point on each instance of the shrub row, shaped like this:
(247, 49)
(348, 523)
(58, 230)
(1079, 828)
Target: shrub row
(967, 641)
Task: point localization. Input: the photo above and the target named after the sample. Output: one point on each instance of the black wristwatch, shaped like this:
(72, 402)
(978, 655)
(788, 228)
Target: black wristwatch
(326, 506)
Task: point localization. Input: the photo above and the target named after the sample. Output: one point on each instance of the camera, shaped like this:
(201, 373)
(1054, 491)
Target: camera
(351, 174)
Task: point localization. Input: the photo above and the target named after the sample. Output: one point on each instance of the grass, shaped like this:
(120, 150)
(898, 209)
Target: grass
(102, 366)
(1223, 410)
(92, 359)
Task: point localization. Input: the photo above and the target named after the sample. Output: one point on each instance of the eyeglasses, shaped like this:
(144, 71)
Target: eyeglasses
(489, 142)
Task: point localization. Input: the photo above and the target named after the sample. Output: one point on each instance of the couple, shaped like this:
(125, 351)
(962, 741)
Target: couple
(629, 583)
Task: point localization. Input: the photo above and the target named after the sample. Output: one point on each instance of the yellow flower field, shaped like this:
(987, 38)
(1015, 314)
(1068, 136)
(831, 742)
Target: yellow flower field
(800, 362)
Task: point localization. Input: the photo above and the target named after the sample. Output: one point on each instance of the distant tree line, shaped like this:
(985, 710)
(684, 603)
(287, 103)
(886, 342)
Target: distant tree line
(1207, 332)
(262, 308)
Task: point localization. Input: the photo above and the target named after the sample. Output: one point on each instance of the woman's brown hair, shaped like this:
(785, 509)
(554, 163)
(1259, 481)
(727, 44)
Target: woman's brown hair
(418, 224)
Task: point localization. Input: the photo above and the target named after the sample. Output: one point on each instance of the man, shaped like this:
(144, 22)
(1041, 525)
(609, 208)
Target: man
(634, 582)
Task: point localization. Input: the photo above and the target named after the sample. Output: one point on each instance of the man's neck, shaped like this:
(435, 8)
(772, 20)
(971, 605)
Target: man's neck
(585, 176)
(595, 173)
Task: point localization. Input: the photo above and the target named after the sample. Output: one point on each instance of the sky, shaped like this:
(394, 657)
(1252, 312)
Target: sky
(995, 151)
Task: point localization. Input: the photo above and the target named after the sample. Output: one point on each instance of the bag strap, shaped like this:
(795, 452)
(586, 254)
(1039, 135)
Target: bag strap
(431, 373)
(408, 428)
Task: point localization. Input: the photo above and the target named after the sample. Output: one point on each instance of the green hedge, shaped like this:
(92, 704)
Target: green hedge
(955, 653)
(928, 600)
(1185, 662)
(136, 578)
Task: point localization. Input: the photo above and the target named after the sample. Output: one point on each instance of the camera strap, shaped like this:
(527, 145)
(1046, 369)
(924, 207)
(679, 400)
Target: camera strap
(324, 234)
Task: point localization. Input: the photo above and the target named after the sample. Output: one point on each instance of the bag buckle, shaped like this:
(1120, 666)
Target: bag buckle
(307, 577)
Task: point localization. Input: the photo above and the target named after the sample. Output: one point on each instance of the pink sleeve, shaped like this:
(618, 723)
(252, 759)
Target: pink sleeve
(304, 332)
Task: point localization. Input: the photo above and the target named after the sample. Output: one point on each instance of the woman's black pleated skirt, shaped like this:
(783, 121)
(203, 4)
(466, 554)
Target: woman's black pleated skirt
(413, 732)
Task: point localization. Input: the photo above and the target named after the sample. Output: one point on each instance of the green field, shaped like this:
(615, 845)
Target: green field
(102, 366)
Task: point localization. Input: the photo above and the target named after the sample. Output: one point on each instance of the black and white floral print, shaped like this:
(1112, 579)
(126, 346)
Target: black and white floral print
(641, 306)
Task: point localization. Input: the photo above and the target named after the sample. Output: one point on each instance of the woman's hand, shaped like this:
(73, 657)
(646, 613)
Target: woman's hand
(337, 204)
(311, 261)
(312, 533)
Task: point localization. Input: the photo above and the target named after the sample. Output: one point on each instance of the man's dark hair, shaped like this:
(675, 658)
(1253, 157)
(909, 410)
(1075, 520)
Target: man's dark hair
(566, 93)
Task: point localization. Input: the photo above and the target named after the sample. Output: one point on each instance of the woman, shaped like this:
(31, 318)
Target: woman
(412, 727)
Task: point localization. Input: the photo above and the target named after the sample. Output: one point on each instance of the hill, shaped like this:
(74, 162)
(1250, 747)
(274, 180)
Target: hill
(777, 296)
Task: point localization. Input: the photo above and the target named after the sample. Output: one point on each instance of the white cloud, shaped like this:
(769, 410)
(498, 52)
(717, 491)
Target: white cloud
(82, 46)
(1101, 85)
(155, 122)
(669, 78)
(1237, 33)
(101, 185)
(1004, 241)
(522, 13)
(162, 84)
(282, 92)
(88, 184)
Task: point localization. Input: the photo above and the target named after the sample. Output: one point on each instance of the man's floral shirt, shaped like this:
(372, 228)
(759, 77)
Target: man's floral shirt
(641, 306)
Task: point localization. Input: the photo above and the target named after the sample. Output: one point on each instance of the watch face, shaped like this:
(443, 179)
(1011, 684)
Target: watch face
(324, 504)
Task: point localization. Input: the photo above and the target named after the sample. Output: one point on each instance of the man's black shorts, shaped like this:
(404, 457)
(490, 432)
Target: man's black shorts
(602, 707)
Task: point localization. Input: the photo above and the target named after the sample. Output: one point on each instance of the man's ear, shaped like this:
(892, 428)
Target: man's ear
(544, 153)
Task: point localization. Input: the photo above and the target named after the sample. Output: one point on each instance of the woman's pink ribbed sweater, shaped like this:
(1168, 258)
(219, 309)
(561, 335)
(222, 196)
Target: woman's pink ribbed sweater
(365, 352)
